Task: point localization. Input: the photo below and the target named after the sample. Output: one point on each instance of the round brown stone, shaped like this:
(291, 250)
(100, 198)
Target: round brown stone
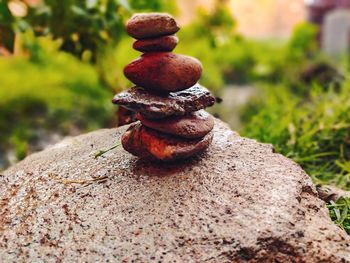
(155, 106)
(164, 43)
(150, 25)
(164, 71)
(193, 125)
(150, 144)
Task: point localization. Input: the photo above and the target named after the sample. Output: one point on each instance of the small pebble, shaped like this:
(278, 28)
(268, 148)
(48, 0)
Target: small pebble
(150, 25)
(164, 43)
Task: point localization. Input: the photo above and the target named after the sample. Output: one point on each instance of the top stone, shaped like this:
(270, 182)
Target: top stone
(143, 26)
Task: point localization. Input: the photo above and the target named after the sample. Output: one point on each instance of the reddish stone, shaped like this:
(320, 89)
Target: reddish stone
(193, 125)
(150, 25)
(164, 71)
(125, 116)
(151, 144)
(165, 43)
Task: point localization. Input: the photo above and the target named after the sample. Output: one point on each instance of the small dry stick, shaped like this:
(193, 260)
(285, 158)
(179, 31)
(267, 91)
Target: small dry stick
(102, 152)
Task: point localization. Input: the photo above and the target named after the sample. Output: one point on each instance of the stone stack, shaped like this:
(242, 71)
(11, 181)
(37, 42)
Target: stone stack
(167, 99)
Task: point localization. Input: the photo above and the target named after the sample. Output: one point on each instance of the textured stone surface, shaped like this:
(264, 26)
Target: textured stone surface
(157, 106)
(237, 202)
(148, 25)
(164, 71)
(193, 125)
(164, 43)
(153, 145)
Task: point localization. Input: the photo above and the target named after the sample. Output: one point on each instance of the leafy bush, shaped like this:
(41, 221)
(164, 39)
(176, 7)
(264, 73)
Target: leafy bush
(152, 5)
(88, 25)
(51, 92)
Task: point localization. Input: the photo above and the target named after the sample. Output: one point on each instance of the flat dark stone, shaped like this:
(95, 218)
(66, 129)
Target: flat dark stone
(151, 105)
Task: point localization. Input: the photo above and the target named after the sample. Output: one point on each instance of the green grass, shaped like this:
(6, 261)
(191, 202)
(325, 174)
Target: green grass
(313, 130)
(340, 213)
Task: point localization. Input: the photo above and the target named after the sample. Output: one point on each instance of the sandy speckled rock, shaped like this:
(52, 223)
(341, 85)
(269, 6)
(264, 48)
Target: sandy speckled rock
(237, 202)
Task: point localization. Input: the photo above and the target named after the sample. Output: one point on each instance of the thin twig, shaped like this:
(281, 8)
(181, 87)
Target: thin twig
(102, 152)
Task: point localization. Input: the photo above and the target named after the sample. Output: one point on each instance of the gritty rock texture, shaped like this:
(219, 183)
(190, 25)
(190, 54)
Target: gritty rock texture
(237, 202)
(157, 106)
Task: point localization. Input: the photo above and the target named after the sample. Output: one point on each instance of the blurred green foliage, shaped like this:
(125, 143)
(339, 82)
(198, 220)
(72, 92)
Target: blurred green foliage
(51, 92)
(340, 213)
(313, 130)
(6, 17)
(152, 6)
(81, 25)
(303, 111)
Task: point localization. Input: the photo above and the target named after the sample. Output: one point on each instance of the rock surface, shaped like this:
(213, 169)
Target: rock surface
(148, 25)
(193, 125)
(164, 43)
(164, 71)
(150, 144)
(156, 106)
(238, 202)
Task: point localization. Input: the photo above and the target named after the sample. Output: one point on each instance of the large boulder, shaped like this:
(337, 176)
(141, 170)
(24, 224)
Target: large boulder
(237, 202)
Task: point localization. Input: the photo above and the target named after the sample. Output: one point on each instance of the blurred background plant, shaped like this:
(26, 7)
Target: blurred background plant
(62, 62)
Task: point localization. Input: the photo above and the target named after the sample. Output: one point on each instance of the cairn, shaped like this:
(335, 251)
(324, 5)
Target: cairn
(167, 99)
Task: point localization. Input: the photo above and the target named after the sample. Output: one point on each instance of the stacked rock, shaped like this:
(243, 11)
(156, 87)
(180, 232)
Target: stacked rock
(167, 99)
